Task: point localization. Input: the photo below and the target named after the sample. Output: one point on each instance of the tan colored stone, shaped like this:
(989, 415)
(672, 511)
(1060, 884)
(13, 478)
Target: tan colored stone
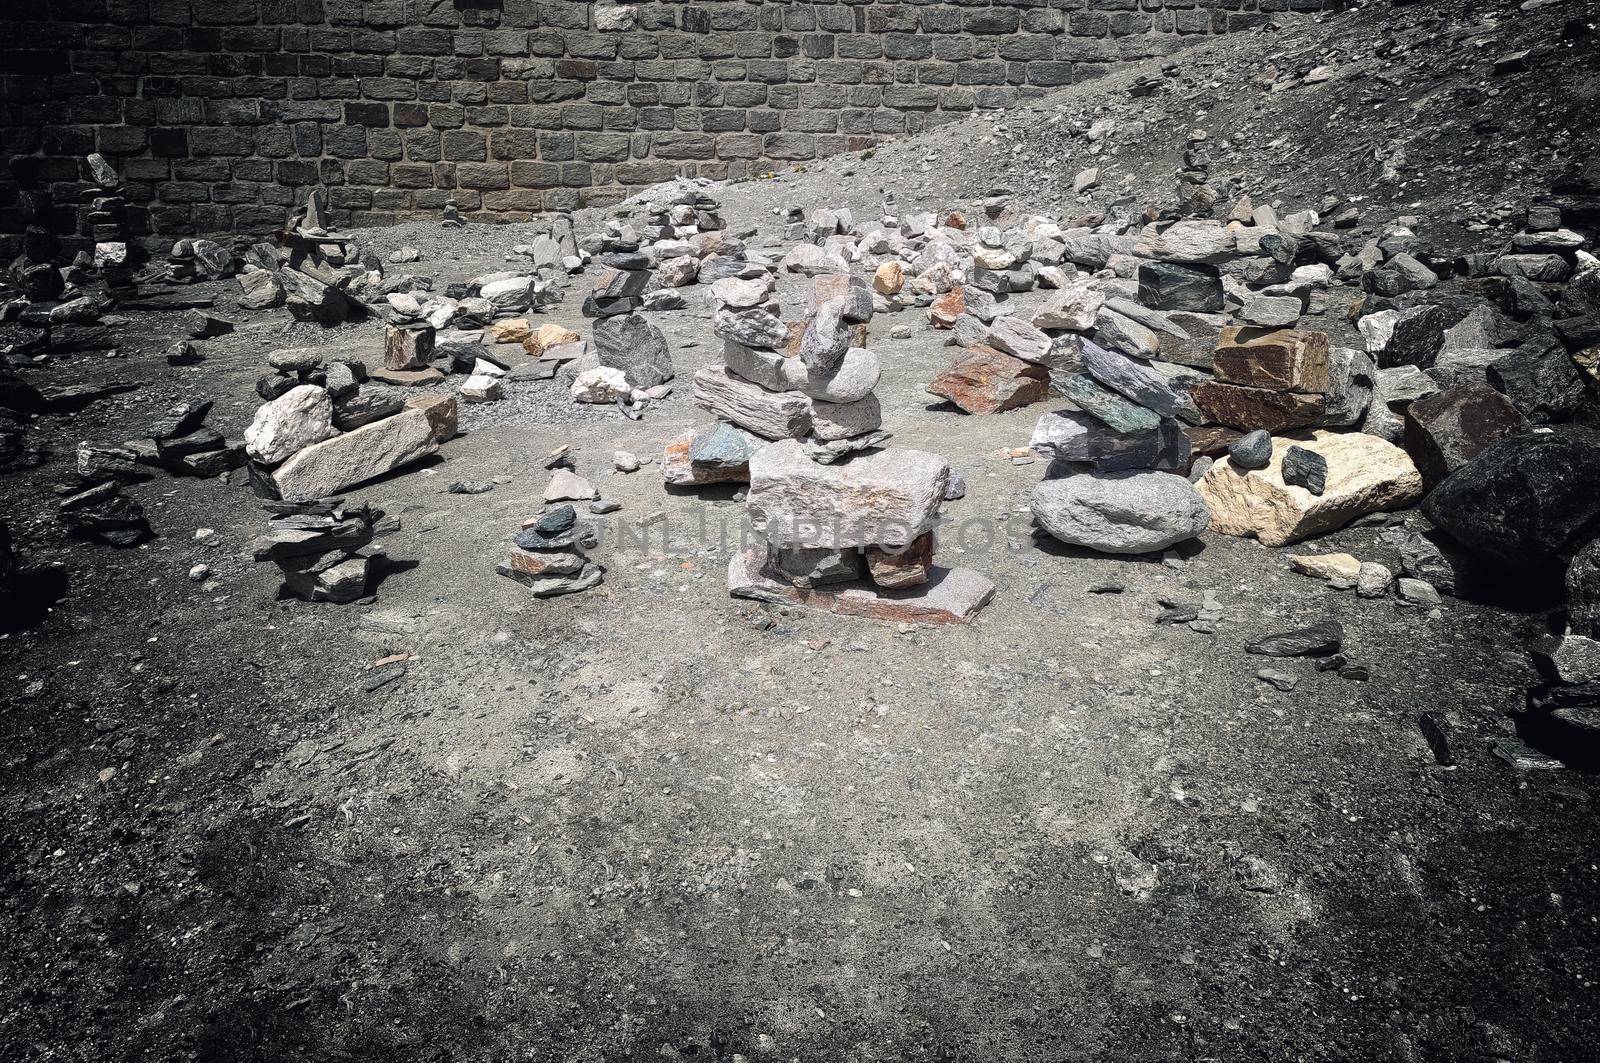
(984, 380)
(1365, 475)
(1333, 567)
(1276, 359)
(442, 414)
(889, 278)
(546, 337)
(511, 330)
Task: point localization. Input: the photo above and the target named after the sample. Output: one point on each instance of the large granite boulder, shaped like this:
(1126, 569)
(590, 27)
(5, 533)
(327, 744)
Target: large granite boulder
(877, 498)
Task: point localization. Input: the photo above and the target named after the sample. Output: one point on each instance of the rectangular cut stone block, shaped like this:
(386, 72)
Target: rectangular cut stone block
(351, 458)
(947, 596)
(1279, 360)
(878, 498)
(769, 414)
(1250, 408)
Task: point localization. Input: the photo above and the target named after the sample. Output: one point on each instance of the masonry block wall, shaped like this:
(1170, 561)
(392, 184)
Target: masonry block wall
(219, 113)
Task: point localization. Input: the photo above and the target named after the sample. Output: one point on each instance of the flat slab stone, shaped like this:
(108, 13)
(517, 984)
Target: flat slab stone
(950, 595)
(372, 450)
(769, 414)
(1365, 475)
(877, 498)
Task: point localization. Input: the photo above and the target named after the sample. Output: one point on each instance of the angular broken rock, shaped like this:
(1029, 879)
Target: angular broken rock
(629, 342)
(1133, 512)
(771, 369)
(1335, 568)
(441, 412)
(1073, 436)
(567, 486)
(901, 568)
(772, 415)
(1169, 286)
(295, 420)
(1274, 359)
(1447, 429)
(1526, 501)
(880, 498)
(845, 420)
(1250, 408)
(948, 596)
(1365, 475)
(1133, 379)
(1016, 337)
(326, 468)
(1305, 468)
(408, 347)
(678, 470)
(984, 380)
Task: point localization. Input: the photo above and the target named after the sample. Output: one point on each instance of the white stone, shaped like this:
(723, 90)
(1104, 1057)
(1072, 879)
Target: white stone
(328, 467)
(289, 423)
(882, 498)
(600, 385)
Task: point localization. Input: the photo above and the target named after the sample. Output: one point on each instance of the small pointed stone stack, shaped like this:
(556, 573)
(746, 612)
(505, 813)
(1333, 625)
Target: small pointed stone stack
(320, 546)
(102, 513)
(547, 555)
(620, 287)
(105, 221)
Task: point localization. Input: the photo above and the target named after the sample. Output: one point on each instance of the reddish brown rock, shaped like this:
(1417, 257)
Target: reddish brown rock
(1212, 440)
(903, 568)
(1276, 360)
(946, 308)
(545, 562)
(1250, 408)
(678, 470)
(407, 378)
(1449, 428)
(984, 380)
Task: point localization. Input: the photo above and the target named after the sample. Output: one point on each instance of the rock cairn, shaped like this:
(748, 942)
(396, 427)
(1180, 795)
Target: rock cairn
(324, 430)
(547, 556)
(680, 229)
(102, 513)
(320, 546)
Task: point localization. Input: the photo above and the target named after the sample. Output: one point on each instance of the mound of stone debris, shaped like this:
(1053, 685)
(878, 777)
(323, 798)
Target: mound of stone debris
(324, 428)
(320, 546)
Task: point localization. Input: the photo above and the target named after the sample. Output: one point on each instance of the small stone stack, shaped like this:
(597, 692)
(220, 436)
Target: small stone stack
(193, 261)
(547, 555)
(620, 287)
(320, 546)
(105, 221)
(102, 513)
(180, 443)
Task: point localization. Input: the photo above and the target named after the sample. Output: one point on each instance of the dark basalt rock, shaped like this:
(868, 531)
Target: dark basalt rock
(1526, 501)
(1583, 592)
(1305, 468)
(1252, 450)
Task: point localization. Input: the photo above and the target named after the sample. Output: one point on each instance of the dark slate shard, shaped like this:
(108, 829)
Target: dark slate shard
(1106, 406)
(625, 260)
(181, 419)
(1526, 501)
(1319, 640)
(1253, 450)
(1583, 592)
(1541, 380)
(635, 346)
(1305, 468)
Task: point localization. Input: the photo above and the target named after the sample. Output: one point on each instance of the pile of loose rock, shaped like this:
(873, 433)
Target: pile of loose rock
(320, 545)
(322, 430)
(181, 443)
(648, 262)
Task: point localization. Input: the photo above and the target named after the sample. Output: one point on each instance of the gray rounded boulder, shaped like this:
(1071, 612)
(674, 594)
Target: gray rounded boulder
(1137, 512)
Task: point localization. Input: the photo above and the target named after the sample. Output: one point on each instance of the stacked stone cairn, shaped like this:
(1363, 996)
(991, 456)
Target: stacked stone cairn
(105, 221)
(324, 429)
(320, 546)
(681, 229)
(547, 555)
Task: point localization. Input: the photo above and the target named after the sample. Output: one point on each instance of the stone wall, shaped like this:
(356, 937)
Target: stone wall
(219, 113)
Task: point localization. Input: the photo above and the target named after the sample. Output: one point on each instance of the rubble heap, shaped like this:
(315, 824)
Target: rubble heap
(321, 547)
(181, 443)
(547, 555)
(647, 263)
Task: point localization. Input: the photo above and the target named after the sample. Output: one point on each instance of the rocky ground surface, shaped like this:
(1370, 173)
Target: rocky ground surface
(650, 821)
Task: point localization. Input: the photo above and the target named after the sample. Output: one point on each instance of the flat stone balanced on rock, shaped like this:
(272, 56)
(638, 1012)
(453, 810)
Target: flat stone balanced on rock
(853, 537)
(548, 558)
